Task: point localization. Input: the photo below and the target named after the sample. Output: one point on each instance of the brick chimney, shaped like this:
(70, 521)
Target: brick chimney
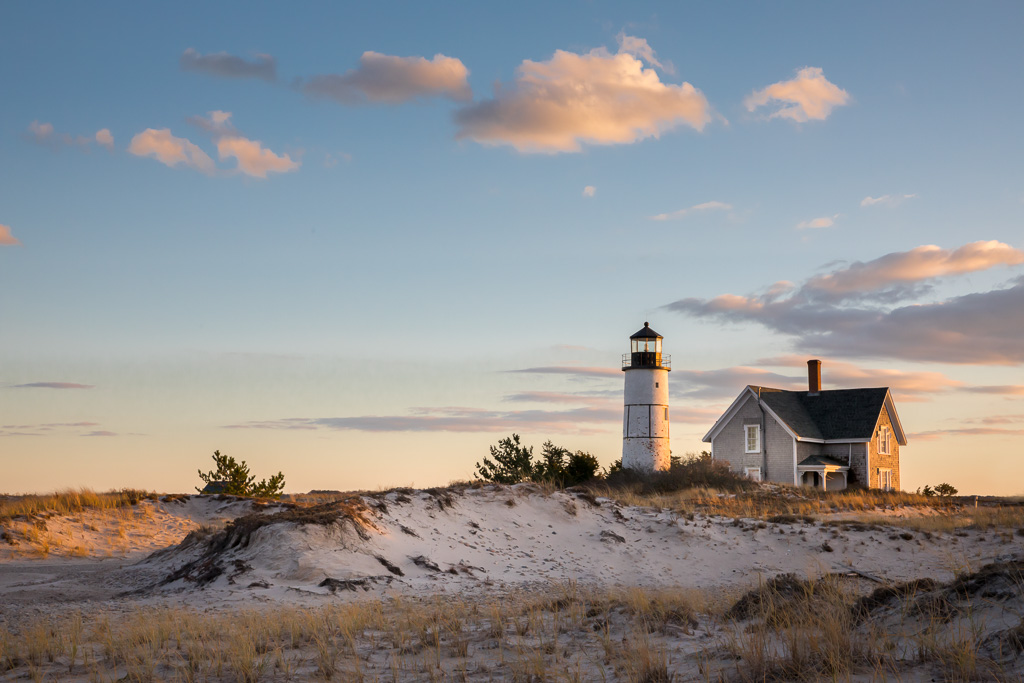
(814, 377)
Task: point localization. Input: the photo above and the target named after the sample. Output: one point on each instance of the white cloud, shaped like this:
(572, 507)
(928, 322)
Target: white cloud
(823, 222)
(808, 96)
(573, 99)
(170, 150)
(391, 80)
(104, 138)
(886, 199)
(589, 191)
(706, 206)
(253, 159)
(6, 238)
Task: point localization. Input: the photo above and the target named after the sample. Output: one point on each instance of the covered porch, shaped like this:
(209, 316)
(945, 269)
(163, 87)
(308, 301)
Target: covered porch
(822, 472)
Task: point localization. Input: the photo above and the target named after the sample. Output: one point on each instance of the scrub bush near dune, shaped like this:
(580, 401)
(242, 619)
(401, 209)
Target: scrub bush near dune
(513, 463)
(233, 479)
(692, 471)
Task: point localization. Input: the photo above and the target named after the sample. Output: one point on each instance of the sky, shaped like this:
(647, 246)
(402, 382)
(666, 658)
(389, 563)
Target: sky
(361, 243)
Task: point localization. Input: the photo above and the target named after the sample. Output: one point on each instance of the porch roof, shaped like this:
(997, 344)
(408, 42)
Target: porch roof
(820, 461)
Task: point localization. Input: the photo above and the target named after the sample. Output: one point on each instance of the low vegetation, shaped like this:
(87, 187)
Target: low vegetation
(513, 463)
(68, 501)
(785, 629)
(232, 478)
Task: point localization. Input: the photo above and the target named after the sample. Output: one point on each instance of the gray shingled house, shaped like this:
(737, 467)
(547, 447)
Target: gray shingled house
(826, 439)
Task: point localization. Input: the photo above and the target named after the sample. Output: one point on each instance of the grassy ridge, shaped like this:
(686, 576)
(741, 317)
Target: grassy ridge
(69, 501)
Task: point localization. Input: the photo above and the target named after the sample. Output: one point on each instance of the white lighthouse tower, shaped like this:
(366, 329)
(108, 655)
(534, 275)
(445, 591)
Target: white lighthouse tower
(645, 444)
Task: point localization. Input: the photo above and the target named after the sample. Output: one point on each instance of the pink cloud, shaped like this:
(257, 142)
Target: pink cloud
(105, 138)
(823, 222)
(807, 96)
(171, 151)
(852, 311)
(573, 99)
(921, 263)
(253, 158)
(389, 79)
(6, 238)
(906, 385)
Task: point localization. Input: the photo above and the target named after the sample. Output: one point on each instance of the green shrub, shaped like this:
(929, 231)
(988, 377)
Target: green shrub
(235, 480)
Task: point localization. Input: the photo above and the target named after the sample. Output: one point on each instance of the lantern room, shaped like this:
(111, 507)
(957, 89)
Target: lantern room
(645, 351)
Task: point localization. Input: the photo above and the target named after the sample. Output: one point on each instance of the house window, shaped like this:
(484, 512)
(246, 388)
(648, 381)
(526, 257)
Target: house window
(885, 479)
(884, 439)
(752, 438)
(752, 473)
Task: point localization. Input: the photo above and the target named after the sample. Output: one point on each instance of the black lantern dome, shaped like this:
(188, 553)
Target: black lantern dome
(645, 351)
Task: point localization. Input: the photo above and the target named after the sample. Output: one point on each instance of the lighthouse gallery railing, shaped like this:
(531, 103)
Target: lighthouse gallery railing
(665, 361)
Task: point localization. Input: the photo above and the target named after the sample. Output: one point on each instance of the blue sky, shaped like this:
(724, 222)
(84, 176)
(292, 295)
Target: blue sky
(347, 281)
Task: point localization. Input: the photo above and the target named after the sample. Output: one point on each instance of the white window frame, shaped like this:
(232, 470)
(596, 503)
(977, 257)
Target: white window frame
(752, 473)
(885, 479)
(746, 438)
(884, 440)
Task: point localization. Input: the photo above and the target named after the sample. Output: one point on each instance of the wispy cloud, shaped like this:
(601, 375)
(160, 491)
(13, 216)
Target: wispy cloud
(589, 191)
(696, 208)
(807, 96)
(965, 431)
(906, 385)
(226, 65)
(886, 200)
(7, 238)
(997, 389)
(171, 151)
(387, 79)
(595, 98)
(823, 222)
(100, 432)
(573, 370)
(851, 311)
(641, 49)
(43, 133)
(54, 385)
(583, 420)
(48, 429)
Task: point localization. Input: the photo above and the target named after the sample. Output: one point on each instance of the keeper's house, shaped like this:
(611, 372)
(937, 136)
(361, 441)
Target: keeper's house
(825, 439)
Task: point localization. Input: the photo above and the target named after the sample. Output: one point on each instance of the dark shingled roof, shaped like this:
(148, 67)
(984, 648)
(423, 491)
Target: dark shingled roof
(834, 414)
(646, 333)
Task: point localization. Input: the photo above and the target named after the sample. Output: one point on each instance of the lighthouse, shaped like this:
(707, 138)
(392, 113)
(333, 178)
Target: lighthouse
(645, 444)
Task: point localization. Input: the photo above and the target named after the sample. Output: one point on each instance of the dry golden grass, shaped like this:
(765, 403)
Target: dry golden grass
(867, 506)
(68, 502)
(796, 630)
